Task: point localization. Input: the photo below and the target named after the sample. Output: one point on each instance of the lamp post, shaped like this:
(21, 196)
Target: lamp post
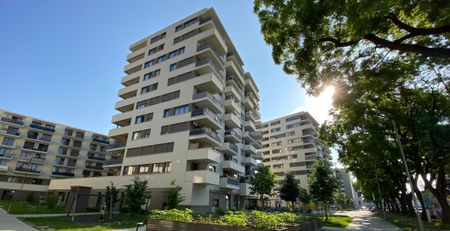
(12, 195)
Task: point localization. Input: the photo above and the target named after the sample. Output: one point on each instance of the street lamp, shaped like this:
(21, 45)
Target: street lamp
(12, 195)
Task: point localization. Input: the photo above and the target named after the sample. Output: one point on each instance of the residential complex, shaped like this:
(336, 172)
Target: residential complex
(290, 144)
(346, 185)
(33, 151)
(187, 113)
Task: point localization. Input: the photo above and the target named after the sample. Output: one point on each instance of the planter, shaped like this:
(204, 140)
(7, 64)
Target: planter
(157, 225)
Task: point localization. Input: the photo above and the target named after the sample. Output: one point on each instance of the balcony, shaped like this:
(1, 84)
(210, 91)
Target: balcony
(208, 154)
(100, 140)
(33, 160)
(258, 156)
(63, 174)
(256, 134)
(249, 161)
(9, 133)
(204, 177)
(257, 144)
(251, 97)
(4, 168)
(28, 171)
(244, 189)
(234, 81)
(229, 148)
(233, 167)
(12, 121)
(116, 146)
(6, 156)
(248, 137)
(248, 148)
(256, 114)
(125, 105)
(249, 105)
(38, 150)
(94, 167)
(250, 126)
(205, 135)
(232, 120)
(229, 183)
(249, 116)
(100, 158)
(236, 92)
(250, 85)
(113, 163)
(231, 105)
(205, 117)
(232, 136)
(216, 68)
(41, 127)
(209, 47)
(205, 99)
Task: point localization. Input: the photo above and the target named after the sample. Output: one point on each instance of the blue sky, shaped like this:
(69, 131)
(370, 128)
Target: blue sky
(62, 61)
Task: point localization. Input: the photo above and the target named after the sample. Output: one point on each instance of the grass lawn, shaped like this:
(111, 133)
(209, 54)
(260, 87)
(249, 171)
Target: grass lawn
(23, 207)
(410, 223)
(337, 221)
(83, 223)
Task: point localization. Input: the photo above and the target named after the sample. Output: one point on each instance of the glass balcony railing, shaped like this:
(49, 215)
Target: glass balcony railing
(6, 155)
(41, 127)
(205, 131)
(63, 173)
(214, 66)
(13, 121)
(232, 133)
(30, 170)
(207, 112)
(232, 181)
(99, 140)
(203, 46)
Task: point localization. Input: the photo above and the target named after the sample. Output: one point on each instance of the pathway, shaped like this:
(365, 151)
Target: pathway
(364, 220)
(10, 223)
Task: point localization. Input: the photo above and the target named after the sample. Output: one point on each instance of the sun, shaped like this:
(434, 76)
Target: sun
(320, 106)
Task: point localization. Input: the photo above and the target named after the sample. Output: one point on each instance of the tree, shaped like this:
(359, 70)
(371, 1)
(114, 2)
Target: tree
(342, 200)
(316, 39)
(51, 200)
(322, 184)
(174, 198)
(111, 198)
(135, 195)
(289, 190)
(304, 196)
(31, 198)
(262, 183)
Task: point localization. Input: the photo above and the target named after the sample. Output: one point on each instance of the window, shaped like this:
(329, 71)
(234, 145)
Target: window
(275, 130)
(186, 24)
(68, 132)
(8, 141)
(294, 125)
(149, 63)
(152, 74)
(32, 135)
(172, 54)
(151, 149)
(296, 117)
(173, 128)
(156, 49)
(173, 67)
(79, 135)
(295, 140)
(158, 37)
(13, 131)
(176, 111)
(158, 99)
(143, 118)
(141, 134)
(274, 144)
(149, 88)
(77, 143)
(46, 137)
(290, 133)
(140, 105)
(65, 141)
(276, 151)
(275, 123)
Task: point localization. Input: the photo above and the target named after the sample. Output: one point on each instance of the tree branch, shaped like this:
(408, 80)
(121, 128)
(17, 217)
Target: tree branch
(418, 31)
(338, 43)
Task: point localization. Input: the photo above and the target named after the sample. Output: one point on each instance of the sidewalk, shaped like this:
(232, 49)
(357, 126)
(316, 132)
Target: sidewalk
(10, 223)
(53, 215)
(363, 220)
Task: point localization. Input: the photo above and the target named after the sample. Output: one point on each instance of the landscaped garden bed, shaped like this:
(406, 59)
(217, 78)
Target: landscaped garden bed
(179, 220)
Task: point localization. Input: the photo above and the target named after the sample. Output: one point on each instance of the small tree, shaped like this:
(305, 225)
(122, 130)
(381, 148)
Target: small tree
(174, 198)
(31, 198)
(289, 190)
(322, 184)
(51, 200)
(304, 196)
(262, 183)
(342, 200)
(135, 195)
(111, 196)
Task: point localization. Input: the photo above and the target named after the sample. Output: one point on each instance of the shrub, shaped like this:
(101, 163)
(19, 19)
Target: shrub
(172, 215)
(31, 198)
(51, 200)
(237, 219)
(288, 217)
(219, 212)
(268, 221)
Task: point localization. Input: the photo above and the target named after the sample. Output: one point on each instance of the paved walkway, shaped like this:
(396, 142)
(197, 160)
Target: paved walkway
(364, 220)
(10, 223)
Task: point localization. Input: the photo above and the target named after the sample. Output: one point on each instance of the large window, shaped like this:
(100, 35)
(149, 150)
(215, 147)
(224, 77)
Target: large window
(149, 88)
(164, 167)
(176, 111)
(152, 74)
(143, 118)
(151, 149)
(8, 141)
(141, 134)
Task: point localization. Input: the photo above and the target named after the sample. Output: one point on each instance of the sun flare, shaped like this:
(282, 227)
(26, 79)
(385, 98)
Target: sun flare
(319, 106)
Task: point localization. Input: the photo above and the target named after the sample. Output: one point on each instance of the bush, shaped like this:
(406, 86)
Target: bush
(172, 215)
(31, 198)
(237, 219)
(219, 212)
(288, 217)
(268, 221)
(51, 200)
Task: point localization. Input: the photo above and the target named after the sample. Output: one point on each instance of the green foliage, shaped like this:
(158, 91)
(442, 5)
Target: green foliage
(262, 183)
(267, 221)
(342, 200)
(337, 221)
(31, 198)
(23, 207)
(111, 196)
(172, 215)
(289, 217)
(135, 195)
(174, 198)
(322, 184)
(51, 200)
(219, 212)
(289, 190)
(304, 196)
(236, 219)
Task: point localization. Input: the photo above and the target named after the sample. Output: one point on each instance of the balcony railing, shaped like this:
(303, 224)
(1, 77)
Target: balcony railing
(205, 94)
(232, 133)
(215, 67)
(98, 140)
(6, 155)
(116, 145)
(94, 167)
(203, 46)
(96, 158)
(41, 127)
(22, 169)
(18, 122)
(4, 131)
(232, 181)
(63, 173)
(34, 160)
(205, 131)
(36, 149)
(207, 112)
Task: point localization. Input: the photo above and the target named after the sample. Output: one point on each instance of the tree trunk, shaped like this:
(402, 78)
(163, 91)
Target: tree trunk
(440, 193)
(403, 204)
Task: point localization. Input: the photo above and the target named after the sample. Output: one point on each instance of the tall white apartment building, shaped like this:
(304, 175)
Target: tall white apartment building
(34, 151)
(290, 144)
(345, 179)
(188, 112)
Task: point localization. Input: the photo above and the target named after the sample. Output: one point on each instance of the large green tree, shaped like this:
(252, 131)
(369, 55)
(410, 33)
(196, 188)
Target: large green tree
(290, 190)
(262, 183)
(322, 184)
(135, 195)
(174, 198)
(321, 40)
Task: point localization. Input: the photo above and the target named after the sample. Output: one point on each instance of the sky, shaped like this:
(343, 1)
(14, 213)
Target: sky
(62, 61)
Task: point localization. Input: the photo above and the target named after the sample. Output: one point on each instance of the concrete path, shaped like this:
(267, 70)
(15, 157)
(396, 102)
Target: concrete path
(10, 223)
(364, 220)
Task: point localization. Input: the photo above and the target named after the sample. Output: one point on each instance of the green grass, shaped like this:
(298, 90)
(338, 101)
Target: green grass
(337, 221)
(65, 224)
(23, 207)
(410, 223)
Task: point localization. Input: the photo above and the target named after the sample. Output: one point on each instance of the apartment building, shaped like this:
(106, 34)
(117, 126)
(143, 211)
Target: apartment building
(290, 144)
(34, 151)
(345, 179)
(187, 112)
